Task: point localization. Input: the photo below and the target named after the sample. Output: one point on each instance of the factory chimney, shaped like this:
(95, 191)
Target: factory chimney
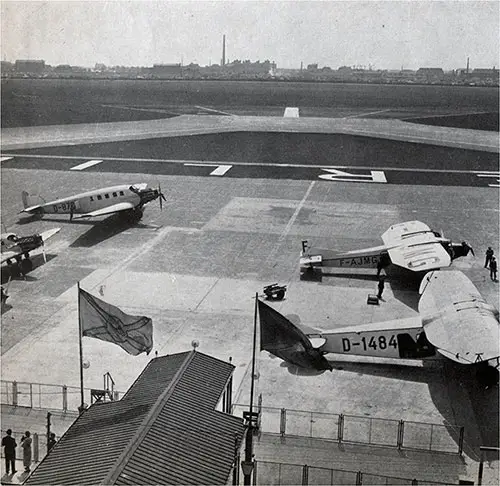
(467, 65)
(223, 62)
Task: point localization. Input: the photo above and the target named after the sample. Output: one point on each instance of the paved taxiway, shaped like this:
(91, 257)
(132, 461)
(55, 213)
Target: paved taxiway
(195, 268)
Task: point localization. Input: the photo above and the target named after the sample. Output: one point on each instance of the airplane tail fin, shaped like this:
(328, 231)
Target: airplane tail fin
(32, 204)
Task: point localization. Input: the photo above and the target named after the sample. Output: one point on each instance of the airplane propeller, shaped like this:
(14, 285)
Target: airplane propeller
(161, 197)
(43, 252)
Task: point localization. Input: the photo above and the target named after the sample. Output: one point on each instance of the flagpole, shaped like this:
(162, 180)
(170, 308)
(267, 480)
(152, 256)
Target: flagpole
(248, 463)
(82, 402)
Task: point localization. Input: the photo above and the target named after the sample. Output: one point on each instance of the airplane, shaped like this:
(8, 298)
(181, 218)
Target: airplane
(454, 322)
(411, 245)
(16, 249)
(128, 200)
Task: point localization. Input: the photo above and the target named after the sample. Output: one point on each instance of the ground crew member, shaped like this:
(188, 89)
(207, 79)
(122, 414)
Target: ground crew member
(467, 248)
(493, 269)
(489, 256)
(380, 287)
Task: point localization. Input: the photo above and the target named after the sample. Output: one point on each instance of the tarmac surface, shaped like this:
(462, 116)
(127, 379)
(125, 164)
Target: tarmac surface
(196, 266)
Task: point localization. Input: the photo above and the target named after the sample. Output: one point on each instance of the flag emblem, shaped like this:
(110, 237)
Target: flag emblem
(106, 322)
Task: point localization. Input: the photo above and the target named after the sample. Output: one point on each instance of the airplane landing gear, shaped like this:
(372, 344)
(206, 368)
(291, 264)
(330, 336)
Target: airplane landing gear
(134, 215)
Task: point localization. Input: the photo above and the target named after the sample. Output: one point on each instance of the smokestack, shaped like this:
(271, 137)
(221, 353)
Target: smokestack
(467, 65)
(223, 63)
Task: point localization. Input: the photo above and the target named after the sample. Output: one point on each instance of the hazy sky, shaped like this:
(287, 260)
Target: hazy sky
(383, 34)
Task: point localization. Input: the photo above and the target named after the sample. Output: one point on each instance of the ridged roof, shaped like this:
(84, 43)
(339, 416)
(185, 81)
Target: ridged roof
(165, 430)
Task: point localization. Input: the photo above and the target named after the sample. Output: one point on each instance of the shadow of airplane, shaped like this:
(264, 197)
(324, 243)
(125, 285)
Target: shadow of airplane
(8, 273)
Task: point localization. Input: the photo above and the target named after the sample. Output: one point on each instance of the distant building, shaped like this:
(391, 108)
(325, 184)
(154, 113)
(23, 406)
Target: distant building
(430, 74)
(30, 66)
(166, 70)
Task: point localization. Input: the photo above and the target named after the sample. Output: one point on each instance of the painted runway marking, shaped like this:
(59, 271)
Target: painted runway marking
(341, 176)
(219, 171)
(291, 112)
(85, 165)
(486, 173)
(290, 223)
(215, 163)
(4, 159)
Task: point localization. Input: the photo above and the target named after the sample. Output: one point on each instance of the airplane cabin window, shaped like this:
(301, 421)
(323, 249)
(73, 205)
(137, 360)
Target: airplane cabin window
(122, 193)
(91, 198)
(106, 196)
(99, 197)
(114, 194)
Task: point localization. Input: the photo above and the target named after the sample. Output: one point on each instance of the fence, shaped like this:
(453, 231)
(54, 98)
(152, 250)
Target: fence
(356, 429)
(42, 395)
(273, 473)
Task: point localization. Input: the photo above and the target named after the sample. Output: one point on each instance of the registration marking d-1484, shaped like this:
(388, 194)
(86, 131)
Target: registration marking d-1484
(342, 176)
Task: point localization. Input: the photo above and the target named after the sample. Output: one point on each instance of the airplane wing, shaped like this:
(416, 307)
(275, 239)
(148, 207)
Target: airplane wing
(456, 318)
(49, 233)
(123, 206)
(414, 246)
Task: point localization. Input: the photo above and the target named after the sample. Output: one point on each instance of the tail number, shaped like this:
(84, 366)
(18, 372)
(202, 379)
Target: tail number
(64, 207)
(374, 342)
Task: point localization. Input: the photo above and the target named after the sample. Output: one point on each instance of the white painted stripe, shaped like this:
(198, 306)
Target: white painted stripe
(221, 170)
(4, 159)
(86, 165)
(291, 112)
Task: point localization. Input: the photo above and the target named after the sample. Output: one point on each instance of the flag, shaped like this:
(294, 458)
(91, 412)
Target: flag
(104, 321)
(286, 341)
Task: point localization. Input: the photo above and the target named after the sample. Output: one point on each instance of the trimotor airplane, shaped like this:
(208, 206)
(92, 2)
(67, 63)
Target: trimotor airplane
(126, 199)
(16, 249)
(411, 245)
(455, 321)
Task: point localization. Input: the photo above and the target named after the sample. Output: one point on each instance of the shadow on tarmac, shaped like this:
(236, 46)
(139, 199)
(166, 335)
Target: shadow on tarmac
(7, 273)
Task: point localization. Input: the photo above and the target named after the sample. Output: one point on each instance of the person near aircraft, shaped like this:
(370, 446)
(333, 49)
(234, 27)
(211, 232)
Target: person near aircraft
(9, 445)
(381, 282)
(52, 441)
(467, 248)
(493, 269)
(489, 256)
(383, 262)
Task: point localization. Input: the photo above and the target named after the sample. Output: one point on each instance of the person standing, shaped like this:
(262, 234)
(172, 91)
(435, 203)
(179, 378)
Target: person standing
(9, 447)
(493, 269)
(489, 256)
(26, 445)
(52, 441)
(381, 282)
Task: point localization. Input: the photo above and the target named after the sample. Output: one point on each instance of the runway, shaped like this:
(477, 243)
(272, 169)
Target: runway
(195, 268)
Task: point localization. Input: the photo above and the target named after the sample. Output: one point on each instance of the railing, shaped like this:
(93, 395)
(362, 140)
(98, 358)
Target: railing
(356, 429)
(43, 395)
(274, 473)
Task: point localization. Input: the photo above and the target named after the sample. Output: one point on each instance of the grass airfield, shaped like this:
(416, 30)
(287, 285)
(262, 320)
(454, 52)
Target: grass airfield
(195, 268)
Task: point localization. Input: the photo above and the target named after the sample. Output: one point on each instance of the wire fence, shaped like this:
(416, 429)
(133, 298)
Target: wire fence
(48, 396)
(347, 428)
(280, 473)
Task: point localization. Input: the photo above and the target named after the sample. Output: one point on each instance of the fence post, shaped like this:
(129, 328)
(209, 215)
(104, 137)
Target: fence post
(65, 398)
(401, 433)
(430, 440)
(31, 395)
(35, 447)
(283, 422)
(359, 478)
(14, 393)
(461, 441)
(340, 430)
(305, 475)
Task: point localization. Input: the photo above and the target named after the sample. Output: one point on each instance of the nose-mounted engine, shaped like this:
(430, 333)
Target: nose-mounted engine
(148, 194)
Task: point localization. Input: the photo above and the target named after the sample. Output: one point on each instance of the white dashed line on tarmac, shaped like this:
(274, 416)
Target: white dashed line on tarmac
(86, 165)
(220, 170)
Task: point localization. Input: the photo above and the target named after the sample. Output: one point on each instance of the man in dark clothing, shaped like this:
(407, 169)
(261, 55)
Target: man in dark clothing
(467, 248)
(380, 287)
(9, 444)
(489, 256)
(52, 441)
(493, 269)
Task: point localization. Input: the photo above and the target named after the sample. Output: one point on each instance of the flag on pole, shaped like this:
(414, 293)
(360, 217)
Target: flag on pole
(104, 321)
(286, 341)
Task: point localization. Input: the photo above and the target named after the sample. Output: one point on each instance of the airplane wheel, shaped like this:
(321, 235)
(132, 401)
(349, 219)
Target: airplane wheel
(280, 295)
(26, 266)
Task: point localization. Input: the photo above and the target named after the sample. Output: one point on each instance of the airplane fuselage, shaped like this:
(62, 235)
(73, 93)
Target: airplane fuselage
(92, 201)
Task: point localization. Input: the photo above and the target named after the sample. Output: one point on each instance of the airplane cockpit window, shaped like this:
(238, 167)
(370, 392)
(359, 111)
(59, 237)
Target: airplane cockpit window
(106, 196)
(99, 197)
